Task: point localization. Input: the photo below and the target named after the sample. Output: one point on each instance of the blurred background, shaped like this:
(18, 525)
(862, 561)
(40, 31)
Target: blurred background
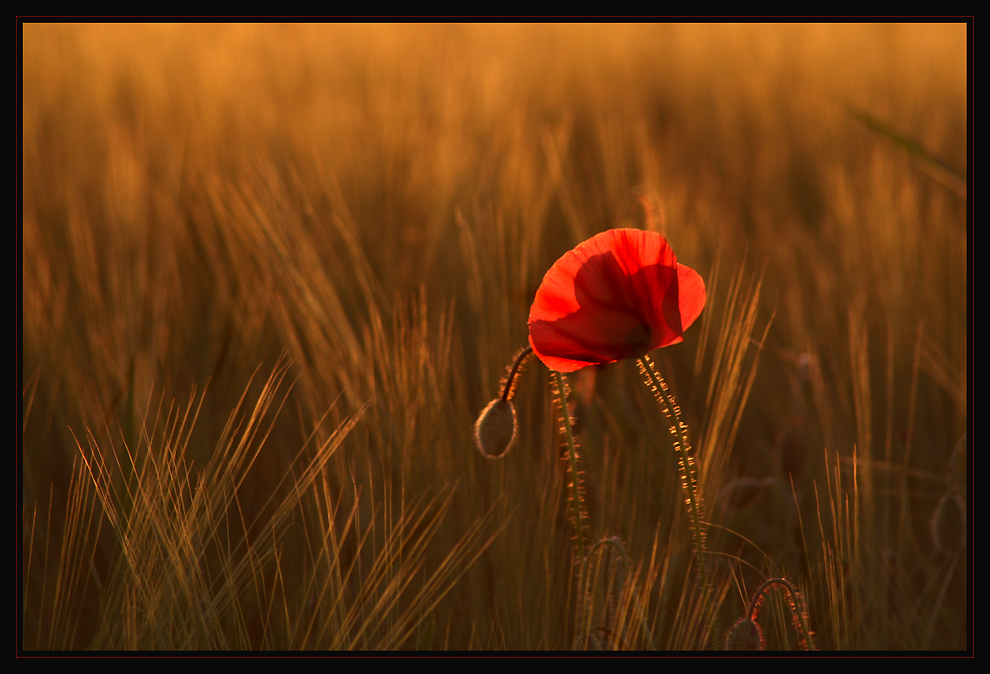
(367, 211)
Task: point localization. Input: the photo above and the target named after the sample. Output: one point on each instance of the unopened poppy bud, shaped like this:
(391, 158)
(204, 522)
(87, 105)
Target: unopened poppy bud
(745, 635)
(495, 430)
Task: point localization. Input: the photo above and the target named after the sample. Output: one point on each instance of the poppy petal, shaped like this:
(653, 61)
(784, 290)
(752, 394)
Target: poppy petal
(617, 295)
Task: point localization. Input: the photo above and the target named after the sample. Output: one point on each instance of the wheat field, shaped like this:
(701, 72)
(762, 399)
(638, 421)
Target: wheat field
(271, 274)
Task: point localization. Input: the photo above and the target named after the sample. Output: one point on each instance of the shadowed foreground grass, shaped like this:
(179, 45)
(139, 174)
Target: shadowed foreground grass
(271, 274)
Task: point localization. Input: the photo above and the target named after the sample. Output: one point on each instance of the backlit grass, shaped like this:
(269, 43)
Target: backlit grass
(272, 273)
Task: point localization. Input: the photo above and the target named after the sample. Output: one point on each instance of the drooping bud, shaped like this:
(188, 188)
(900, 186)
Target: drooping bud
(745, 635)
(495, 430)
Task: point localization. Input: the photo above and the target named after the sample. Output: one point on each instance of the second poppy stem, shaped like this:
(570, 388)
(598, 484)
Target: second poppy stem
(689, 479)
(575, 487)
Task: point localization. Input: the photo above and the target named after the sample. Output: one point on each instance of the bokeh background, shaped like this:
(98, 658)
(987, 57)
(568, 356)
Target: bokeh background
(367, 211)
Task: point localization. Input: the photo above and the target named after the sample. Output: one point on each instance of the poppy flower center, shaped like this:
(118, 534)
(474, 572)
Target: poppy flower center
(639, 339)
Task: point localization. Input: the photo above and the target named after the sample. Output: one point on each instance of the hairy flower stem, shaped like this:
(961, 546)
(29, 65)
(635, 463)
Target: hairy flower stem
(510, 380)
(799, 612)
(577, 512)
(623, 570)
(689, 481)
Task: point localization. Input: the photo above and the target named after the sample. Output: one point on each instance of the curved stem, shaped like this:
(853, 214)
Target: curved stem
(799, 612)
(523, 355)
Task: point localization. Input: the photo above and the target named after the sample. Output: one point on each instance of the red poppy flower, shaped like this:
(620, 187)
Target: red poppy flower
(620, 294)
